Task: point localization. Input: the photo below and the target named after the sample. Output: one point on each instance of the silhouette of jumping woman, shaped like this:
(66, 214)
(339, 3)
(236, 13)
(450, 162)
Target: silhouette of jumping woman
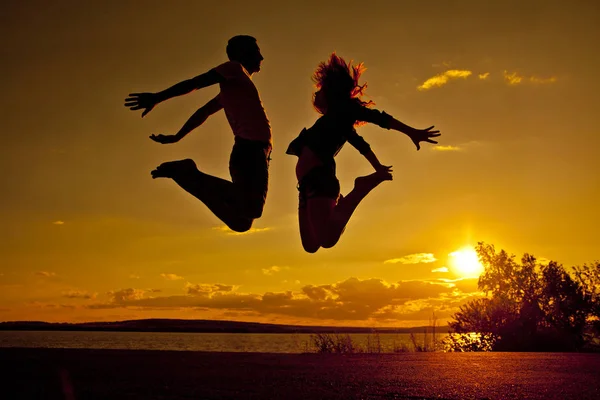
(322, 211)
(239, 201)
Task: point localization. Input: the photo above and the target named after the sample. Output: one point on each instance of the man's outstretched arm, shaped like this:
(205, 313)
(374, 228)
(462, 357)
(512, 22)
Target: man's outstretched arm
(201, 81)
(192, 123)
(147, 101)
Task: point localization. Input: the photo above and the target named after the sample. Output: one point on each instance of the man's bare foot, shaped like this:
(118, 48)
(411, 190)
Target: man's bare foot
(369, 182)
(172, 168)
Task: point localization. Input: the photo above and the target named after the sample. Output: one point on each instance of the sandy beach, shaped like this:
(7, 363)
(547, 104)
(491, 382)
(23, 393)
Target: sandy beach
(124, 374)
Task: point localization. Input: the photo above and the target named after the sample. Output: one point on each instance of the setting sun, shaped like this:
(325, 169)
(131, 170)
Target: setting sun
(465, 262)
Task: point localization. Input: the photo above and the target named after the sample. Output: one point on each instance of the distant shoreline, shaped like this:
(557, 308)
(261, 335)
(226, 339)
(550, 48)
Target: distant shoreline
(203, 326)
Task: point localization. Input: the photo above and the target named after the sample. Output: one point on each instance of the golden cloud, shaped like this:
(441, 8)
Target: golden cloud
(273, 270)
(514, 78)
(206, 289)
(441, 269)
(484, 76)
(171, 277)
(124, 295)
(443, 78)
(79, 294)
(45, 274)
(536, 79)
(446, 148)
(59, 222)
(413, 259)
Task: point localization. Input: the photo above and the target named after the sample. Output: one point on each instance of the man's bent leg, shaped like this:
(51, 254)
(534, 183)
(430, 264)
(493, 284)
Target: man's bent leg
(215, 193)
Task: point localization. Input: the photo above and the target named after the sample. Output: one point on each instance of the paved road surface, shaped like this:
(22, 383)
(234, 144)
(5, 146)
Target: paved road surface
(123, 374)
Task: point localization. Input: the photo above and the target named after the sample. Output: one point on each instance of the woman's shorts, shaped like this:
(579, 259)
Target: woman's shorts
(318, 182)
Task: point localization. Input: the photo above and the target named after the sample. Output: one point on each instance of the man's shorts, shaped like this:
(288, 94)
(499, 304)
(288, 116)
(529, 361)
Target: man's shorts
(319, 182)
(249, 169)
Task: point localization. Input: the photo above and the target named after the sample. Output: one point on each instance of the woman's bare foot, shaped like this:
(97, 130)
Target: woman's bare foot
(369, 182)
(172, 168)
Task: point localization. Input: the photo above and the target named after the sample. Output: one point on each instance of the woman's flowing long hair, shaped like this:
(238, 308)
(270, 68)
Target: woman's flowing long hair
(338, 83)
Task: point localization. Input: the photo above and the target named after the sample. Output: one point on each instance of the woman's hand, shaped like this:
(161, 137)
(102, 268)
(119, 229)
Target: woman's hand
(423, 135)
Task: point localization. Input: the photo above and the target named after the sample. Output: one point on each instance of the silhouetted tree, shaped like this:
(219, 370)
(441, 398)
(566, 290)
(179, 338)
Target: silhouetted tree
(529, 306)
(588, 276)
(564, 308)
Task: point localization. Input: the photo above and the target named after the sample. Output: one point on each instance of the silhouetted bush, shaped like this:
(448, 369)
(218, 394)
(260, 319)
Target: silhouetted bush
(344, 344)
(333, 343)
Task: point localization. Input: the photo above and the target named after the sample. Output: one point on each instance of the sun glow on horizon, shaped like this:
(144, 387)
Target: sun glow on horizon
(465, 262)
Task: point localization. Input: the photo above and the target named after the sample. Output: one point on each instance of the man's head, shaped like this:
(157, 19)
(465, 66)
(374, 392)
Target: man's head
(244, 49)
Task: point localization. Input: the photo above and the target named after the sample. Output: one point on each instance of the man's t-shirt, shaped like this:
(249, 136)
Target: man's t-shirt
(242, 104)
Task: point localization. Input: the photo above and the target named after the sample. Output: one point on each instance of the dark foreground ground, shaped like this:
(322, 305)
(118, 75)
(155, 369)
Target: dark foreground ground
(123, 374)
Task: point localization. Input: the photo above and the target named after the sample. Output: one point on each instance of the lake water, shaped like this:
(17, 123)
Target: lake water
(228, 342)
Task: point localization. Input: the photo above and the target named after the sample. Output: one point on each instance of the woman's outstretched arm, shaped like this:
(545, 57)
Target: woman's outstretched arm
(416, 135)
(387, 121)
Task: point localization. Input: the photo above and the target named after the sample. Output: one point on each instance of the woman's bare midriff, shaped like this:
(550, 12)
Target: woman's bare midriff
(306, 162)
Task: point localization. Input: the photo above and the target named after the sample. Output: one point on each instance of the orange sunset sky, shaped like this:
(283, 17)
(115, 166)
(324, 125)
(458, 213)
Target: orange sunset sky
(87, 235)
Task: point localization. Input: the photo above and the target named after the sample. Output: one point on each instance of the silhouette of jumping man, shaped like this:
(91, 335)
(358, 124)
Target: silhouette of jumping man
(323, 212)
(239, 201)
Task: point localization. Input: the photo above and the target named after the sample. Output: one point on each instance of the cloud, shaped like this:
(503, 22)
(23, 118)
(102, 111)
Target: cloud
(79, 294)
(228, 231)
(445, 64)
(44, 273)
(446, 148)
(129, 294)
(441, 269)
(413, 259)
(134, 276)
(59, 222)
(272, 270)
(536, 79)
(514, 78)
(206, 290)
(484, 76)
(171, 277)
(350, 300)
(443, 78)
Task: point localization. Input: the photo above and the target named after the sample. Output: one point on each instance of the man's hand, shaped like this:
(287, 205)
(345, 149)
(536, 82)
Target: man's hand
(138, 101)
(384, 172)
(165, 139)
(423, 135)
